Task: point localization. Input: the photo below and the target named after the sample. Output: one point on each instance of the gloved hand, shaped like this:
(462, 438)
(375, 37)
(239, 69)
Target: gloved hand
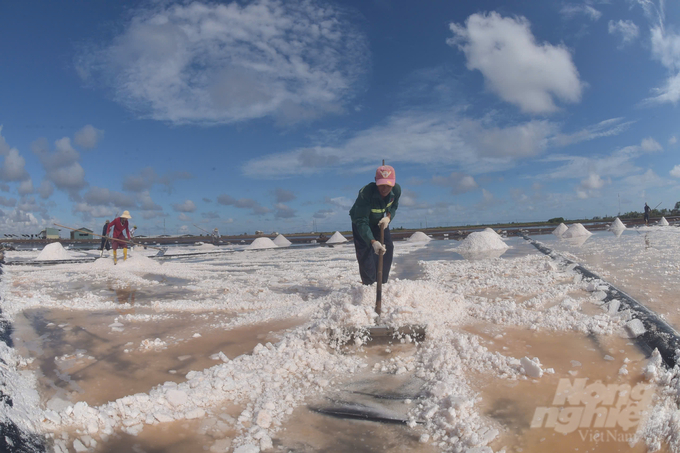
(384, 222)
(378, 247)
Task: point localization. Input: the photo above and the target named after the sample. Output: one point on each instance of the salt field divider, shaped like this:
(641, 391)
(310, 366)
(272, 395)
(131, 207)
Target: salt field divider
(658, 333)
(12, 439)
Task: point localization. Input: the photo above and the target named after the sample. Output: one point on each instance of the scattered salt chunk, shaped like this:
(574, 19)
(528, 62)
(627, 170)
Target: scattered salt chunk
(196, 335)
(635, 328)
(176, 397)
(532, 368)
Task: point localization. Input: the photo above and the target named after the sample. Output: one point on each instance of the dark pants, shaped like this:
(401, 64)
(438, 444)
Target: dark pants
(105, 242)
(368, 259)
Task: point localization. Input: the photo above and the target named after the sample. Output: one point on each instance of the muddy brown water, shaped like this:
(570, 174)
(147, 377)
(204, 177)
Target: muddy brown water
(79, 357)
(514, 404)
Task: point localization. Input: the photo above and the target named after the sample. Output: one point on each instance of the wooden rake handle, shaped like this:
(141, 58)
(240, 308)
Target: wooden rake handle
(378, 295)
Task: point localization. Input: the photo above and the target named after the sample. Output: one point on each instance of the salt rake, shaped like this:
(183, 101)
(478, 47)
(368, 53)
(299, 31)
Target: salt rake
(379, 334)
(161, 251)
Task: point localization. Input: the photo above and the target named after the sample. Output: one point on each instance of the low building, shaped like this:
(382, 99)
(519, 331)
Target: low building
(82, 233)
(50, 233)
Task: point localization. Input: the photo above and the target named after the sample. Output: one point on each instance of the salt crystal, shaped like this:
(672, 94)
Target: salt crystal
(194, 413)
(263, 419)
(77, 444)
(176, 397)
(532, 368)
(247, 448)
(635, 328)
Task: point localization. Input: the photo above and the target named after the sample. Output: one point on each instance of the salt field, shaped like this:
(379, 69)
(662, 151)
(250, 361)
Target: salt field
(245, 349)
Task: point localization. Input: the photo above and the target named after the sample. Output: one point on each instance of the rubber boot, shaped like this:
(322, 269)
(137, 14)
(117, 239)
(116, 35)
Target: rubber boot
(115, 257)
(124, 254)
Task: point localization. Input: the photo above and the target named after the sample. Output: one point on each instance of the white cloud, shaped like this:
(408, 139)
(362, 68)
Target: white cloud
(430, 138)
(619, 163)
(628, 31)
(606, 128)
(186, 206)
(26, 187)
(147, 178)
(514, 65)
(184, 218)
(14, 167)
(224, 63)
(649, 145)
(675, 172)
(284, 211)
(459, 182)
(46, 189)
(88, 137)
(572, 10)
(593, 182)
(61, 166)
(673, 140)
(488, 196)
(666, 49)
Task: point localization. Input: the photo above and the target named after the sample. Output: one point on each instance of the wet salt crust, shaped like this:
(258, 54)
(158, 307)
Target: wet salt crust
(318, 285)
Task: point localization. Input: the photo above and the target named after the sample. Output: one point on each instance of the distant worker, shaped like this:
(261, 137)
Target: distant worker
(215, 236)
(105, 240)
(119, 226)
(374, 208)
(647, 211)
(132, 236)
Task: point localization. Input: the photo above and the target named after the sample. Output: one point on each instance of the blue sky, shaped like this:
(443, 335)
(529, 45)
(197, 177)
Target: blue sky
(271, 116)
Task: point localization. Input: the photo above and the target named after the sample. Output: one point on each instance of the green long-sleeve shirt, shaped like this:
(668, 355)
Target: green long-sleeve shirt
(370, 207)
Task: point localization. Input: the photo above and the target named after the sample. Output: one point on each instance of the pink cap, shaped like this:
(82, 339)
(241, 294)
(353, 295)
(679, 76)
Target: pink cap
(385, 175)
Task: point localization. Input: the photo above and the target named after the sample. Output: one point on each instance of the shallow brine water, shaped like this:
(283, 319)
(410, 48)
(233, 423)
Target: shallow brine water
(643, 262)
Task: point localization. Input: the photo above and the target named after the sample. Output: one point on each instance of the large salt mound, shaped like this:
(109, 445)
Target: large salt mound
(419, 236)
(617, 225)
(262, 243)
(663, 222)
(481, 241)
(337, 238)
(576, 230)
(281, 241)
(559, 231)
(53, 251)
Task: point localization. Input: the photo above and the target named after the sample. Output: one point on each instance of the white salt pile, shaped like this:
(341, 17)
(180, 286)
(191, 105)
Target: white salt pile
(53, 251)
(663, 222)
(337, 238)
(576, 231)
(262, 243)
(481, 241)
(281, 241)
(559, 231)
(419, 236)
(617, 225)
